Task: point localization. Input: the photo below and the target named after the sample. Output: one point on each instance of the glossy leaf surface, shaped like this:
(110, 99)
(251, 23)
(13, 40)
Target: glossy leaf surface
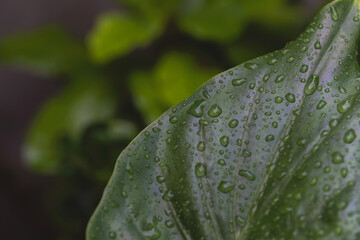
(266, 150)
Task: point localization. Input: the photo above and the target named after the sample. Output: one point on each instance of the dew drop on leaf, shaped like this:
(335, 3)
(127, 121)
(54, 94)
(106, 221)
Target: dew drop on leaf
(334, 13)
(349, 136)
(280, 78)
(160, 179)
(173, 120)
(238, 81)
(337, 158)
(251, 66)
(197, 109)
(239, 220)
(270, 137)
(317, 45)
(304, 68)
(169, 224)
(200, 170)
(247, 174)
(233, 123)
(214, 111)
(278, 99)
(311, 84)
(224, 140)
(345, 105)
(204, 122)
(321, 104)
(290, 97)
(201, 146)
(112, 235)
(168, 195)
(226, 187)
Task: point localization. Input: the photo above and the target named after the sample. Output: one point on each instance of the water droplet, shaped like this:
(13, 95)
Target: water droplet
(333, 123)
(321, 104)
(280, 78)
(238, 81)
(124, 194)
(318, 45)
(290, 97)
(201, 146)
(168, 195)
(224, 140)
(169, 224)
(214, 111)
(247, 174)
(204, 122)
(345, 105)
(269, 138)
(337, 158)
(197, 109)
(349, 136)
(342, 90)
(290, 59)
(344, 172)
(226, 187)
(112, 235)
(278, 99)
(251, 66)
(246, 153)
(200, 170)
(272, 61)
(239, 220)
(311, 84)
(173, 120)
(356, 19)
(266, 77)
(221, 162)
(156, 130)
(334, 13)
(233, 123)
(160, 179)
(304, 68)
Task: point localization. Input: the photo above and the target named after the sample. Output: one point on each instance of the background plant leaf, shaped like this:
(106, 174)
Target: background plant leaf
(47, 50)
(116, 34)
(224, 21)
(175, 76)
(83, 102)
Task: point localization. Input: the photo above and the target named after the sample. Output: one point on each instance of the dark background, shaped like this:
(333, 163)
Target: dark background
(24, 201)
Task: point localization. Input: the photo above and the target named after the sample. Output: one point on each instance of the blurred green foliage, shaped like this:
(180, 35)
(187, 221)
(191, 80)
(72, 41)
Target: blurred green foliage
(134, 64)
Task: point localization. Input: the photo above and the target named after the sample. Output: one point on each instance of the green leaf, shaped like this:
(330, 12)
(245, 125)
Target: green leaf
(223, 21)
(267, 150)
(175, 76)
(178, 75)
(117, 34)
(215, 20)
(153, 8)
(85, 101)
(147, 102)
(47, 50)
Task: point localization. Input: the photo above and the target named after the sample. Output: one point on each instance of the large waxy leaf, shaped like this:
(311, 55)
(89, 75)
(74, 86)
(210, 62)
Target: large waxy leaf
(267, 150)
